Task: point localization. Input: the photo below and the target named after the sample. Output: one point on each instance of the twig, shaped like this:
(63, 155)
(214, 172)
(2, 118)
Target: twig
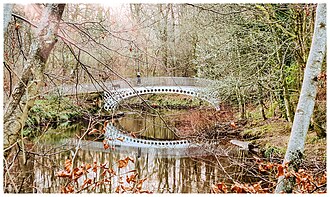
(318, 187)
(10, 78)
(11, 146)
(11, 179)
(19, 42)
(24, 19)
(79, 142)
(219, 163)
(216, 12)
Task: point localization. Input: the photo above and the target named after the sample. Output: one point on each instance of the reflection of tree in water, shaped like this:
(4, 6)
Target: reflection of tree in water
(146, 125)
(165, 174)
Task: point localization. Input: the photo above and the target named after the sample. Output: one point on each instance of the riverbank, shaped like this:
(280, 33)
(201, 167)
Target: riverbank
(271, 136)
(198, 123)
(201, 124)
(55, 111)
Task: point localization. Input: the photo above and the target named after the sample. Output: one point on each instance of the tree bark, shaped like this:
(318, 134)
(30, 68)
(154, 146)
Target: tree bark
(261, 102)
(307, 97)
(25, 93)
(287, 103)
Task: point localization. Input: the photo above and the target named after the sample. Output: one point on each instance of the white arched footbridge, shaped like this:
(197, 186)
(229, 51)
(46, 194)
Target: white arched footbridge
(122, 90)
(119, 90)
(195, 87)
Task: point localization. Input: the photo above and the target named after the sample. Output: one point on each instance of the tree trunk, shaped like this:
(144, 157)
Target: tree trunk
(307, 97)
(261, 103)
(241, 103)
(287, 103)
(163, 30)
(32, 78)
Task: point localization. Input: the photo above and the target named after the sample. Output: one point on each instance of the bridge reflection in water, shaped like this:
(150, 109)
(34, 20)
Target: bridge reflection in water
(167, 171)
(168, 165)
(112, 134)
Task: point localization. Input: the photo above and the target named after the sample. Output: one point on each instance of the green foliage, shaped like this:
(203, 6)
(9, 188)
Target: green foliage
(271, 109)
(260, 131)
(254, 133)
(313, 139)
(169, 101)
(274, 152)
(51, 110)
(255, 114)
(291, 74)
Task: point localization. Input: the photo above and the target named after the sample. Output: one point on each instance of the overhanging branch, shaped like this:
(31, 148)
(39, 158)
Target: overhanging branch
(24, 19)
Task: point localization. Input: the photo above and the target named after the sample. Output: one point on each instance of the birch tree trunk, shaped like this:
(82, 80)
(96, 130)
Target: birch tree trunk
(307, 97)
(32, 78)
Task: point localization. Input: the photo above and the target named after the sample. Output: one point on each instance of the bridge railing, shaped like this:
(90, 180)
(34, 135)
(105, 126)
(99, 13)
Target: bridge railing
(161, 81)
(132, 82)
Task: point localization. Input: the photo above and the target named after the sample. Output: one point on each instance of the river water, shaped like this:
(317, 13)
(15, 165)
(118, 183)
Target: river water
(167, 171)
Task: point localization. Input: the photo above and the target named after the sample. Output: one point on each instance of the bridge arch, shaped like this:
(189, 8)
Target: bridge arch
(195, 87)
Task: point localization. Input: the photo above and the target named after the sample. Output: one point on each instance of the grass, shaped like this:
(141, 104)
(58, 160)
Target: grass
(271, 151)
(267, 128)
(272, 136)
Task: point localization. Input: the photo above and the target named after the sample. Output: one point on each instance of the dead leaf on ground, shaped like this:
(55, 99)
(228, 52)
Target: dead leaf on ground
(86, 182)
(145, 191)
(140, 182)
(88, 166)
(131, 178)
(280, 171)
(117, 190)
(112, 172)
(95, 167)
(222, 187)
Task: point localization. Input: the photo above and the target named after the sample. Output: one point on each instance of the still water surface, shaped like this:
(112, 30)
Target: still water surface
(167, 171)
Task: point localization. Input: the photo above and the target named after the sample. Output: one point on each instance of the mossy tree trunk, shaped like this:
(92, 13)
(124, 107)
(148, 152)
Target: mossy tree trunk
(32, 78)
